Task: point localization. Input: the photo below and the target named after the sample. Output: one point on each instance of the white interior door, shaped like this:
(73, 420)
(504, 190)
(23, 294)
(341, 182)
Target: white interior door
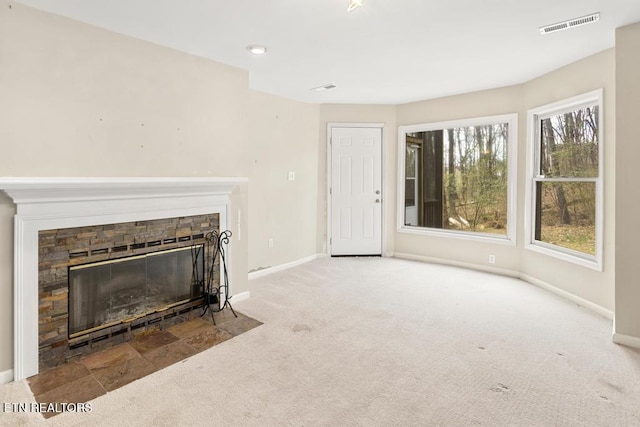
(356, 191)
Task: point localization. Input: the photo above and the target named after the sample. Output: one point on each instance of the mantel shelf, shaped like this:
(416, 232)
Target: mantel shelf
(56, 189)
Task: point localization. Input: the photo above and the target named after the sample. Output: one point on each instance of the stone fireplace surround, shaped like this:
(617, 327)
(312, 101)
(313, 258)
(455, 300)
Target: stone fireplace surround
(53, 203)
(61, 250)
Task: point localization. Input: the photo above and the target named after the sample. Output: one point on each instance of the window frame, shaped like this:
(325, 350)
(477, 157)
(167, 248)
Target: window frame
(534, 119)
(512, 155)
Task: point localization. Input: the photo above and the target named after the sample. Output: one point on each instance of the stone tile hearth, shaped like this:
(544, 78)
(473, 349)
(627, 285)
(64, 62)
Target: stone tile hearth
(107, 370)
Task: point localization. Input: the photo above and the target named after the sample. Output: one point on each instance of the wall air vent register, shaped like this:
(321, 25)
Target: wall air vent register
(572, 23)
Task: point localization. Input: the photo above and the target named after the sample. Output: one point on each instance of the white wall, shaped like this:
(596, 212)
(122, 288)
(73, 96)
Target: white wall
(81, 101)
(627, 175)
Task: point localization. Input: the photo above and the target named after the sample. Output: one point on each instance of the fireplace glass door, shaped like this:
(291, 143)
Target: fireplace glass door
(106, 293)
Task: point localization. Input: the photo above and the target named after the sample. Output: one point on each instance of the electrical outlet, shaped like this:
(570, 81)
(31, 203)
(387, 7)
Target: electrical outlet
(270, 242)
(292, 176)
(492, 259)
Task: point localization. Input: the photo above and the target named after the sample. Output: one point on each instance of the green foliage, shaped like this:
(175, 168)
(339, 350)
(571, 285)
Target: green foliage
(566, 190)
(575, 237)
(569, 144)
(476, 187)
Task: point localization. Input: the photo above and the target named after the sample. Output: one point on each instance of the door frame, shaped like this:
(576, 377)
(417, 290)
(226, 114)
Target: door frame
(383, 137)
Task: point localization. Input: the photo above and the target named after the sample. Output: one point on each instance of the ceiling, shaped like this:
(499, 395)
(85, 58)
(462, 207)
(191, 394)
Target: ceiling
(386, 52)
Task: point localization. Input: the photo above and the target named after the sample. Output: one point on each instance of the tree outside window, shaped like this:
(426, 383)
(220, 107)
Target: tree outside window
(457, 176)
(566, 177)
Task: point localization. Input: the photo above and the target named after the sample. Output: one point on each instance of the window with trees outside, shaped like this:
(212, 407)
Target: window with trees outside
(565, 175)
(458, 178)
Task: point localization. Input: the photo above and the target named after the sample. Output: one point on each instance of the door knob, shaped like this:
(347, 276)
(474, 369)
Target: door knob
(377, 191)
(377, 200)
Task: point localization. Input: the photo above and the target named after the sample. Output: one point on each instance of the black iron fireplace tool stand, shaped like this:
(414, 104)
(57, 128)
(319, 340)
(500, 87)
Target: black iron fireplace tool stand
(216, 294)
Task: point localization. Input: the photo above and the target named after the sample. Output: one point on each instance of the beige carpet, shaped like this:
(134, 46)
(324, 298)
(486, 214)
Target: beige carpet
(387, 342)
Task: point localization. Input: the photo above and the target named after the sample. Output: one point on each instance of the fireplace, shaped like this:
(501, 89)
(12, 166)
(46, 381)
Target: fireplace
(46, 204)
(101, 285)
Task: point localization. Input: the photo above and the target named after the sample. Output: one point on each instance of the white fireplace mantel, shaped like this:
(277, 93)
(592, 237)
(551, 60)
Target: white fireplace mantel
(51, 203)
(43, 190)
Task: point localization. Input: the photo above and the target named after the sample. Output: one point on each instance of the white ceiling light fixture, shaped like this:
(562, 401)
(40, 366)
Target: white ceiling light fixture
(571, 23)
(323, 87)
(257, 49)
(354, 4)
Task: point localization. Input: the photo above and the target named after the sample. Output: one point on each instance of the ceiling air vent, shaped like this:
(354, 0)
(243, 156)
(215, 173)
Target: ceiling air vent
(576, 22)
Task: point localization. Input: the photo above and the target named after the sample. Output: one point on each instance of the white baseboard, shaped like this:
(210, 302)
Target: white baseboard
(605, 312)
(487, 269)
(269, 270)
(6, 376)
(504, 272)
(626, 340)
(240, 297)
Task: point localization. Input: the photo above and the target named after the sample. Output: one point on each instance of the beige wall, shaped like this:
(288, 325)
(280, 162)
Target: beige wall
(486, 103)
(627, 180)
(80, 101)
(589, 74)
(597, 71)
(283, 137)
(594, 72)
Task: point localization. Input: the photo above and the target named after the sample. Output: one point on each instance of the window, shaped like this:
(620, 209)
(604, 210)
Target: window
(458, 178)
(565, 175)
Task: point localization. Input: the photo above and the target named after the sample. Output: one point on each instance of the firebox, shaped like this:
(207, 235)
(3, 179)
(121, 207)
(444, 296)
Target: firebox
(103, 294)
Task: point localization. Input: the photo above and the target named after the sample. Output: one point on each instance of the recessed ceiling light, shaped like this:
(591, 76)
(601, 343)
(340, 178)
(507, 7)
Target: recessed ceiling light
(257, 49)
(324, 87)
(571, 23)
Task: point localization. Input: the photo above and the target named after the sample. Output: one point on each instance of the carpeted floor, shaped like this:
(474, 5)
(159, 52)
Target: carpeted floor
(386, 342)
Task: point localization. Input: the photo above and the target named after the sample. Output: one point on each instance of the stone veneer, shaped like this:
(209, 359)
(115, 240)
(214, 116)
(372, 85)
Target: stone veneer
(59, 249)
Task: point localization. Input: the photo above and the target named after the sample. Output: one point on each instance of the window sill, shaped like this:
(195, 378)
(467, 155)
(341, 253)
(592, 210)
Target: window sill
(591, 262)
(461, 235)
